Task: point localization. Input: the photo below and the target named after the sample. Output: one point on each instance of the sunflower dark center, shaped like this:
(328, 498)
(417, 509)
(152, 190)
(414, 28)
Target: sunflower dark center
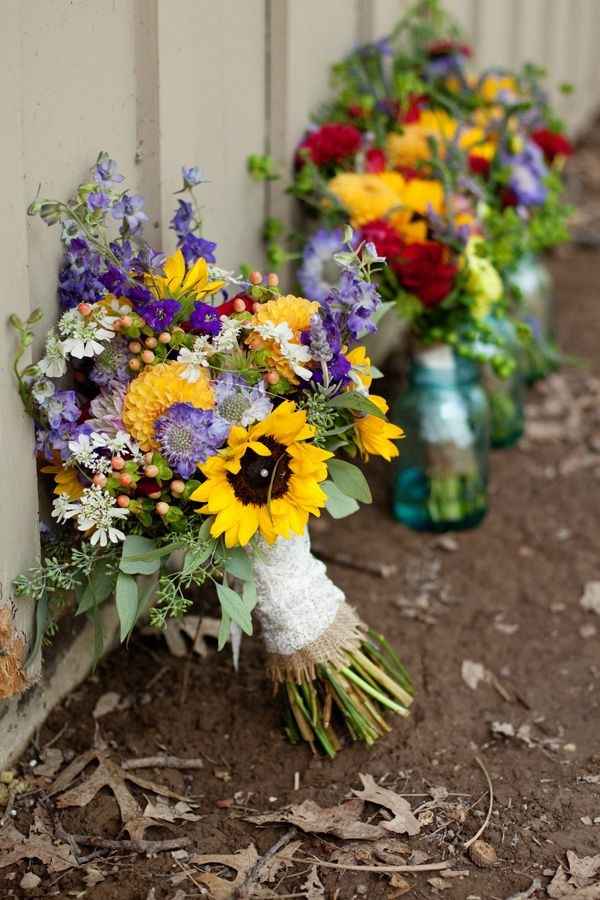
(259, 474)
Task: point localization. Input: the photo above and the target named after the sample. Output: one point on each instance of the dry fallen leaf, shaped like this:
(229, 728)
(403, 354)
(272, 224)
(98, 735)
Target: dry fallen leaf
(343, 821)
(439, 883)
(53, 760)
(13, 679)
(590, 598)
(14, 847)
(401, 885)
(404, 821)
(473, 673)
(162, 810)
(106, 704)
(389, 850)
(279, 862)
(223, 888)
(313, 886)
(583, 869)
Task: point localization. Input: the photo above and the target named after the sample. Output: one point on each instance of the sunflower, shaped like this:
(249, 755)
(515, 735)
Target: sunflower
(266, 480)
(365, 197)
(375, 435)
(65, 481)
(178, 281)
(296, 312)
(154, 391)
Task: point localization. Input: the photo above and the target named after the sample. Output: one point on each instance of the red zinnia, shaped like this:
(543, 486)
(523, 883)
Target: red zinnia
(412, 113)
(332, 142)
(375, 161)
(424, 270)
(447, 47)
(508, 197)
(379, 232)
(479, 165)
(551, 143)
(228, 308)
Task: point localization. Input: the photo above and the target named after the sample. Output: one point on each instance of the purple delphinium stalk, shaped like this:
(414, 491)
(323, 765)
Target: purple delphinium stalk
(80, 275)
(317, 340)
(188, 436)
(239, 403)
(193, 247)
(319, 272)
(56, 440)
(205, 319)
(183, 219)
(61, 407)
(159, 314)
(129, 210)
(192, 176)
(106, 170)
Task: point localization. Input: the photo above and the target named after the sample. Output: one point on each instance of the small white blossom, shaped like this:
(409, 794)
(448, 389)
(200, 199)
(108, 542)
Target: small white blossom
(356, 374)
(83, 453)
(53, 364)
(84, 335)
(42, 390)
(195, 359)
(295, 354)
(227, 338)
(98, 511)
(215, 273)
(118, 443)
(63, 508)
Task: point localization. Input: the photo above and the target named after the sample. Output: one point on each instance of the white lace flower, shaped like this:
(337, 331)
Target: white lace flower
(120, 442)
(195, 359)
(295, 354)
(63, 508)
(53, 364)
(215, 273)
(42, 390)
(227, 339)
(83, 453)
(84, 335)
(98, 511)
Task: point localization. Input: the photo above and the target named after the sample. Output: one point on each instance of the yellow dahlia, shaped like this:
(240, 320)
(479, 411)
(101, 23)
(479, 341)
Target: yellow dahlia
(411, 146)
(365, 197)
(296, 312)
(178, 281)
(375, 435)
(65, 481)
(266, 480)
(154, 391)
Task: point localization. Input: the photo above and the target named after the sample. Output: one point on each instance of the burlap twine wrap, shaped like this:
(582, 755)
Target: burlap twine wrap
(304, 616)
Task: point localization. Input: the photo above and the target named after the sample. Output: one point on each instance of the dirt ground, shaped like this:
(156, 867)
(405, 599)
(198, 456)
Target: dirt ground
(506, 596)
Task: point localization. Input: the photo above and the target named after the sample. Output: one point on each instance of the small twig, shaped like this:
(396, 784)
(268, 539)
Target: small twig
(486, 821)
(163, 762)
(157, 676)
(189, 875)
(259, 864)
(381, 570)
(424, 867)
(56, 737)
(137, 846)
(10, 799)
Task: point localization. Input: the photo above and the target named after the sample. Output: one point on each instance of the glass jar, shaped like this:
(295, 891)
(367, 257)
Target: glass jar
(441, 480)
(535, 302)
(506, 395)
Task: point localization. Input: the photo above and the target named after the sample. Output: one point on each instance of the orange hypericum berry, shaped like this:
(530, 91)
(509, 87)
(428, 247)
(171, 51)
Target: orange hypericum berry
(151, 471)
(99, 479)
(134, 364)
(125, 321)
(239, 305)
(123, 501)
(164, 337)
(151, 343)
(148, 357)
(125, 479)
(272, 377)
(135, 346)
(162, 508)
(272, 279)
(255, 277)
(118, 463)
(84, 309)
(177, 487)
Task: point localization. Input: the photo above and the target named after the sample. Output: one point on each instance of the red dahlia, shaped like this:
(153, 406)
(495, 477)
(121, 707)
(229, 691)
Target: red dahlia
(379, 232)
(424, 270)
(551, 143)
(479, 165)
(332, 142)
(375, 160)
(448, 47)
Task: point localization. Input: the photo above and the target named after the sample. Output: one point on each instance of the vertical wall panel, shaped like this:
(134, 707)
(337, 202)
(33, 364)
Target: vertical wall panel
(464, 13)
(530, 32)
(493, 32)
(386, 14)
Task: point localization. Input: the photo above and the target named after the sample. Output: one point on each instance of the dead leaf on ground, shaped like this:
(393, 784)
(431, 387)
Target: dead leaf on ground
(440, 884)
(15, 847)
(343, 821)
(223, 888)
(279, 862)
(404, 821)
(473, 673)
(161, 810)
(53, 759)
(389, 850)
(535, 886)
(583, 869)
(590, 598)
(313, 886)
(401, 885)
(106, 704)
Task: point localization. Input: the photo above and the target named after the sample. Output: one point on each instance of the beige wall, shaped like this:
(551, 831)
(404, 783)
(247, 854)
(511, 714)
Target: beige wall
(159, 83)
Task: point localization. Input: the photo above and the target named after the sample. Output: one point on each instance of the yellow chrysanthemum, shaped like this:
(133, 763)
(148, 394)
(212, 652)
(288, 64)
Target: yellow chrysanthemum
(178, 281)
(65, 481)
(266, 480)
(153, 391)
(293, 311)
(411, 146)
(374, 435)
(361, 365)
(365, 197)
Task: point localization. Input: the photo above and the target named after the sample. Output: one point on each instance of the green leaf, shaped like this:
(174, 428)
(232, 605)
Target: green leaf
(135, 559)
(234, 606)
(101, 584)
(127, 600)
(338, 504)
(350, 480)
(204, 530)
(98, 638)
(224, 631)
(357, 402)
(238, 564)
(165, 550)
(249, 594)
(41, 623)
(194, 559)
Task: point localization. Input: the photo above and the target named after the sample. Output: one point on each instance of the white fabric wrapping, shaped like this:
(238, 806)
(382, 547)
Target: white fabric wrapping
(297, 602)
(445, 422)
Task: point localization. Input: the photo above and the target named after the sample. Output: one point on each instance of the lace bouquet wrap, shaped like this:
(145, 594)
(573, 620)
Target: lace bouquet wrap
(185, 412)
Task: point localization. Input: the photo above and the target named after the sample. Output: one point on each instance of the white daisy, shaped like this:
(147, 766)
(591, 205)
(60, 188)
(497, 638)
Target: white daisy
(53, 364)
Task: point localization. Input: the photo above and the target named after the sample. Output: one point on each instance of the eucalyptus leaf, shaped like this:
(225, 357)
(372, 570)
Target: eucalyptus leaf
(357, 402)
(238, 564)
(127, 600)
(249, 594)
(338, 505)
(41, 624)
(224, 630)
(234, 606)
(101, 585)
(135, 559)
(194, 559)
(350, 480)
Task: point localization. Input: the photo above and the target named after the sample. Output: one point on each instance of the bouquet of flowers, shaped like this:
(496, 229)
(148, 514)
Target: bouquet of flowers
(192, 421)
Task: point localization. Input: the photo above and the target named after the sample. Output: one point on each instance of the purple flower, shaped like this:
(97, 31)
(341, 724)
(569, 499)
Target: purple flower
(192, 176)
(317, 340)
(355, 301)
(105, 170)
(188, 436)
(183, 219)
(106, 410)
(159, 314)
(194, 247)
(80, 275)
(112, 364)
(205, 319)
(149, 261)
(129, 211)
(56, 440)
(527, 173)
(98, 200)
(239, 403)
(319, 272)
(61, 407)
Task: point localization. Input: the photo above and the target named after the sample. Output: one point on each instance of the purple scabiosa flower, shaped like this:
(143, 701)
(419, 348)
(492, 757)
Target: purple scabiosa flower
(56, 440)
(112, 364)
(205, 319)
(129, 210)
(319, 272)
(355, 300)
(159, 314)
(192, 176)
(188, 436)
(239, 403)
(194, 247)
(106, 170)
(183, 219)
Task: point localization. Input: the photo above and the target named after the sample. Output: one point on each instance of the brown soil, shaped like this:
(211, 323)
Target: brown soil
(525, 567)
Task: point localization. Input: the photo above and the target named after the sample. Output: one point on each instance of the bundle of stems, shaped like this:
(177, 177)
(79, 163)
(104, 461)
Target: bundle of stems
(356, 695)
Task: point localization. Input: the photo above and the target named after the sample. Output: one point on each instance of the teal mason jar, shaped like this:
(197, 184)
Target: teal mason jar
(506, 396)
(535, 302)
(441, 480)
